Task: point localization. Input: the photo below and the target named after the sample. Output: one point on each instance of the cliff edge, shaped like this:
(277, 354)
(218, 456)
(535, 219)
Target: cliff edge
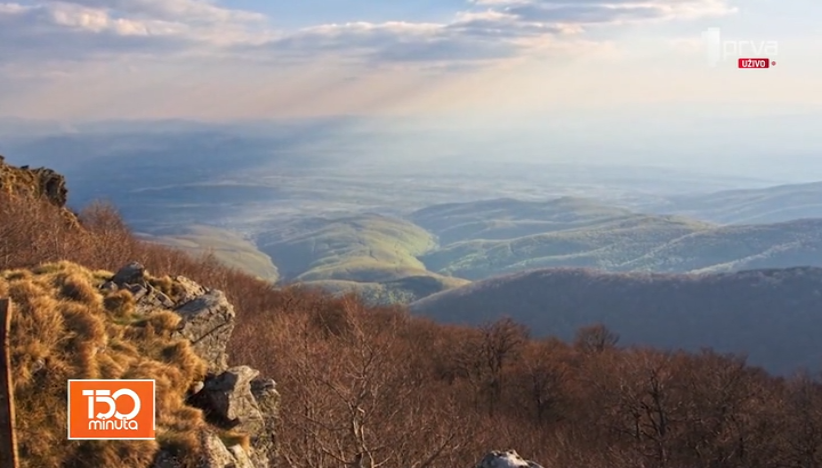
(73, 323)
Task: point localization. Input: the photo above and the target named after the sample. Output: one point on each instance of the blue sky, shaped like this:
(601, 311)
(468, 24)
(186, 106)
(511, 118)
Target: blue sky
(307, 13)
(249, 59)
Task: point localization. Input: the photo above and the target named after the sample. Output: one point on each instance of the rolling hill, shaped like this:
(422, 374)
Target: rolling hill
(400, 291)
(609, 244)
(767, 205)
(388, 259)
(491, 237)
(739, 247)
(773, 315)
(229, 247)
(507, 218)
(361, 248)
(645, 243)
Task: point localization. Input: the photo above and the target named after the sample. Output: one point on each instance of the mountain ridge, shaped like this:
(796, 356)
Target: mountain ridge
(750, 310)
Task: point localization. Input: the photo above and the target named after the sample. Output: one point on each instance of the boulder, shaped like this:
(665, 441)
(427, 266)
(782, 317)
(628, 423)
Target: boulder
(207, 316)
(189, 290)
(37, 184)
(219, 456)
(264, 442)
(132, 274)
(238, 400)
(208, 321)
(507, 459)
(227, 400)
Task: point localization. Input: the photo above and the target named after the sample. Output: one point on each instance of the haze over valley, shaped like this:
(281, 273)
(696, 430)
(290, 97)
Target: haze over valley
(313, 211)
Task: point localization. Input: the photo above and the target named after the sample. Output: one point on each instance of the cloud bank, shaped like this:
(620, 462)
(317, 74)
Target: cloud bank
(485, 30)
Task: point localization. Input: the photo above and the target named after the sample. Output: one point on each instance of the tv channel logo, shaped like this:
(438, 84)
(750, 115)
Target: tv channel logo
(111, 409)
(719, 50)
(754, 63)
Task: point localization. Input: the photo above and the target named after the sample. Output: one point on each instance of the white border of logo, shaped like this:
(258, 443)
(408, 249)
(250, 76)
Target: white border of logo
(153, 413)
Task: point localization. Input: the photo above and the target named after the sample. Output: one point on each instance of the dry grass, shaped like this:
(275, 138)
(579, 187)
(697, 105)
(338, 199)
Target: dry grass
(65, 327)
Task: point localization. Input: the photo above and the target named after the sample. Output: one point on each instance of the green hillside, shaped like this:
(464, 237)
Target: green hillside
(361, 248)
(739, 247)
(387, 259)
(609, 244)
(230, 248)
(399, 291)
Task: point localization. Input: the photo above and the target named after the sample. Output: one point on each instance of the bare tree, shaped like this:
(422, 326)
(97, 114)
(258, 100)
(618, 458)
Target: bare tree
(542, 376)
(361, 404)
(595, 338)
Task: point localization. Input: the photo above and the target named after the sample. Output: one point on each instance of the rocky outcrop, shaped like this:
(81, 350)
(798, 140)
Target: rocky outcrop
(208, 321)
(134, 279)
(218, 455)
(268, 401)
(233, 399)
(509, 459)
(208, 317)
(36, 183)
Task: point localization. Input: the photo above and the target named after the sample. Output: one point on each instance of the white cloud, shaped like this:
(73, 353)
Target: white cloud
(68, 32)
(488, 30)
(196, 11)
(485, 30)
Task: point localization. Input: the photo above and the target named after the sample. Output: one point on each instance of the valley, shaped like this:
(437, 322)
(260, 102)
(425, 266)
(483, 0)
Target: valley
(555, 247)
(289, 211)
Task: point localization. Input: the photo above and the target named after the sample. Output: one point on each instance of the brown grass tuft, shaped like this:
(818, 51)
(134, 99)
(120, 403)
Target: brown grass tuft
(65, 327)
(167, 286)
(120, 304)
(77, 288)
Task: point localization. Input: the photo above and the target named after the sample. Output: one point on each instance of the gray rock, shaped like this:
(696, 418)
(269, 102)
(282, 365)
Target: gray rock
(219, 456)
(148, 298)
(162, 300)
(133, 273)
(215, 455)
(242, 458)
(238, 400)
(264, 444)
(191, 290)
(228, 398)
(507, 459)
(208, 322)
(138, 292)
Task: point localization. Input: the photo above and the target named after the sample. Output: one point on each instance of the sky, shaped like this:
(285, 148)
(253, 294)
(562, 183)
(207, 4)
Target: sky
(613, 81)
(251, 59)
